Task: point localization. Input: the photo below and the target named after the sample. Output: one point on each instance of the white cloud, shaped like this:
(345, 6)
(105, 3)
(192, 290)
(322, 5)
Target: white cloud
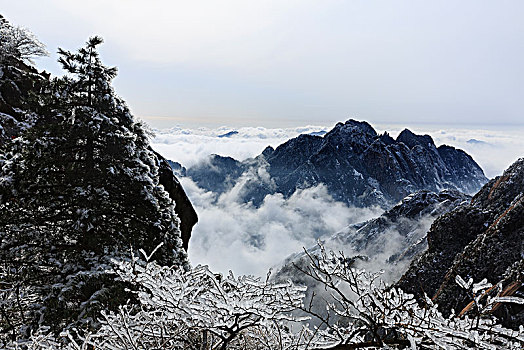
(249, 240)
(189, 146)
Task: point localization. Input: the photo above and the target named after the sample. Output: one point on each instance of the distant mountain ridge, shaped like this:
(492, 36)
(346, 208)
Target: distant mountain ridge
(358, 166)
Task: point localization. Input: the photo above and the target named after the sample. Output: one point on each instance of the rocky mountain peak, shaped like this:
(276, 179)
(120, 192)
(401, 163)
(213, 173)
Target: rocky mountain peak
(411, 140)
(358, 167)
(502, 190)
(362, 126)
(293, 153)
(216, 172)
(386, 139)
(352, 132)
(268, 151)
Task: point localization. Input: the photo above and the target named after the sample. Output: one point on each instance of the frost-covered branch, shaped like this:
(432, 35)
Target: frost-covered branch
(197, 309)
(19, 43)
(371, 314)
(178, 309)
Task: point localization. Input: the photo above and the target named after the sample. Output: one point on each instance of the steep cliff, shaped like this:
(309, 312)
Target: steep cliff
(388, 242)
(392, 239)
(483, 239)
(183, 207)
(401, 232)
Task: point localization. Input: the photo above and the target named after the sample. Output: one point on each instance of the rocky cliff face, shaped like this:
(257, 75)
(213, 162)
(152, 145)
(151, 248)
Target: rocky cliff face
(218, 174)
(401, 231)
(183, 207)
(483, 239)
(357, 165)
(388, 242)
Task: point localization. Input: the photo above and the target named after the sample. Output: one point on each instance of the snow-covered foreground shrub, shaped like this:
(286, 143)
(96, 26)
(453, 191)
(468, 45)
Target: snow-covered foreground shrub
(370, 314)
(198, 309)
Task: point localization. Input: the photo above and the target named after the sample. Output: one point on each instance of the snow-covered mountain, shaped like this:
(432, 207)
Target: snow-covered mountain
(358, 166)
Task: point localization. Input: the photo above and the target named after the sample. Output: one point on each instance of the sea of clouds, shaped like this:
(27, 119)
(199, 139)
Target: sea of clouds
(190, 146)
(232, 235)
(494, 149)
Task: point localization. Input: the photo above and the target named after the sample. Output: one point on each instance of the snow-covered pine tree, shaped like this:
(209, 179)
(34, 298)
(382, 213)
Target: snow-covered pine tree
(18, 78)
(118, 191)
(84, 188)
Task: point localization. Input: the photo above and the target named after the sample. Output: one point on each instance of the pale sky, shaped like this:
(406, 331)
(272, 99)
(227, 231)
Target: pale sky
(284, 63)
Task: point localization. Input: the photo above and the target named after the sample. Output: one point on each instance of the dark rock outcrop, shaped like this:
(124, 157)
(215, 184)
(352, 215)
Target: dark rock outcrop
(228, 134)
(480, 240)
(358, 166)
(183, 207)
(217, 174)
(178, 169)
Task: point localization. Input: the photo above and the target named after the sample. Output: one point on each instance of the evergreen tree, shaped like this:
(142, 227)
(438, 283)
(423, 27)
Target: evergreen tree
(84, 188)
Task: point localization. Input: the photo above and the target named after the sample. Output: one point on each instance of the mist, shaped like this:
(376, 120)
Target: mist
(237, 236)
(190, 146)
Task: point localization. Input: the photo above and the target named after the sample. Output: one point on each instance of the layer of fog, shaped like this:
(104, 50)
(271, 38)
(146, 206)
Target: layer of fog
(189, 146)
(378, 256)
(236, 236)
